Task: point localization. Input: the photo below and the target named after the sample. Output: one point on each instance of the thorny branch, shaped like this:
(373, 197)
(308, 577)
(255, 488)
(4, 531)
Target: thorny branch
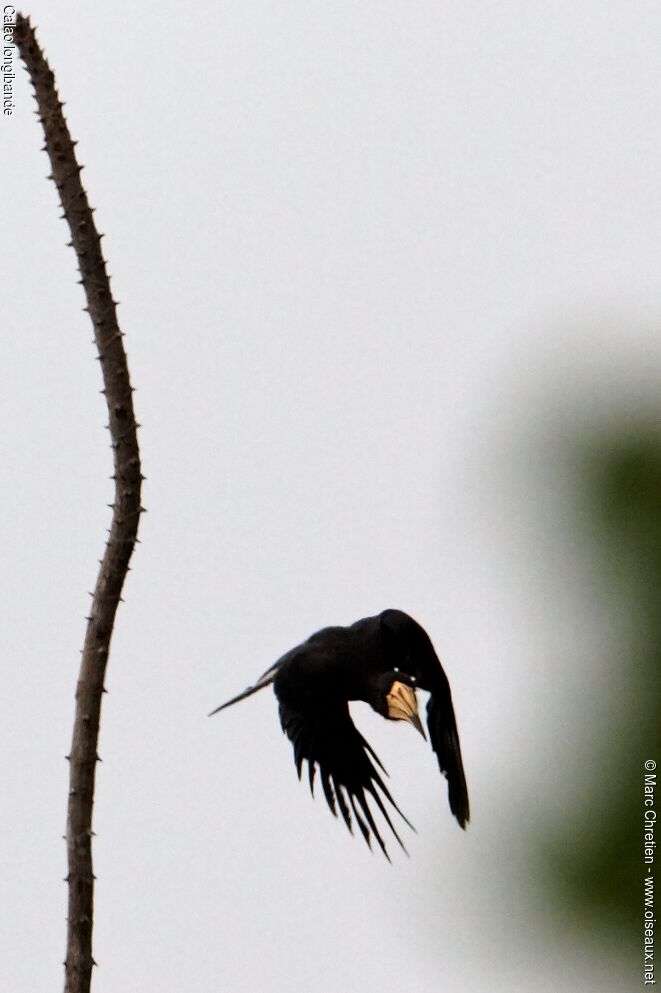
(65, 173)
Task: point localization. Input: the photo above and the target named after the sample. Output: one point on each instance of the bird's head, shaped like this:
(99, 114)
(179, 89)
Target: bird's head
(396, 700)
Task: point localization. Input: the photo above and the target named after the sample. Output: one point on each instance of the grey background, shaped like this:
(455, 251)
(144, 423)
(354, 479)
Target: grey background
(375, 261)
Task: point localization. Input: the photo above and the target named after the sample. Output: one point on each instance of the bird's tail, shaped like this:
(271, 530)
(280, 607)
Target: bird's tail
(265, 680)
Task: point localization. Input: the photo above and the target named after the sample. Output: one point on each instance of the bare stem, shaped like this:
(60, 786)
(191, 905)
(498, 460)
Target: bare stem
(126, 508)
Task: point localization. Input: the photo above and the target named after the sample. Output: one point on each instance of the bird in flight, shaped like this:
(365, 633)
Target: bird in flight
(382, 660)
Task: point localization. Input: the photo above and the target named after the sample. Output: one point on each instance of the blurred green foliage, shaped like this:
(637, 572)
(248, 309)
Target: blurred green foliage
(595, 857)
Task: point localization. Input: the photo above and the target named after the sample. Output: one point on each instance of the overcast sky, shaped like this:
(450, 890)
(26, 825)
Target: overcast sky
(375, 261)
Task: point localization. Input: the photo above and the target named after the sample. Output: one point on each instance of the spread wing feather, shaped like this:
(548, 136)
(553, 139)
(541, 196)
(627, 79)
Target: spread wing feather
(445, 742)
(326, 738)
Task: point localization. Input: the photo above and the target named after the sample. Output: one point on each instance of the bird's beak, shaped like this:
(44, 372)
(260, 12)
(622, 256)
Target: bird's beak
(403, 706)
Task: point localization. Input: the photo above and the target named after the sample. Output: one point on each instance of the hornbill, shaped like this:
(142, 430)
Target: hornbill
(381, 660)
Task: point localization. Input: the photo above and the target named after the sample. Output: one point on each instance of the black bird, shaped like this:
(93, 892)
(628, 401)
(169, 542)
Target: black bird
(381, 660)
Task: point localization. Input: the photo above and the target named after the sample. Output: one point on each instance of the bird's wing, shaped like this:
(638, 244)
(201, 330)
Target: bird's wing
(326, 737)
(445, 742)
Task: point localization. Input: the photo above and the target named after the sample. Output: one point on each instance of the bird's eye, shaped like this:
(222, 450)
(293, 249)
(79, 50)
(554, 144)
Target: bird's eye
(396, 669)
(413, 679)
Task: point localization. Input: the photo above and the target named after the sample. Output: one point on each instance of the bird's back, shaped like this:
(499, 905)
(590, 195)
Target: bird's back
(330, 665)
